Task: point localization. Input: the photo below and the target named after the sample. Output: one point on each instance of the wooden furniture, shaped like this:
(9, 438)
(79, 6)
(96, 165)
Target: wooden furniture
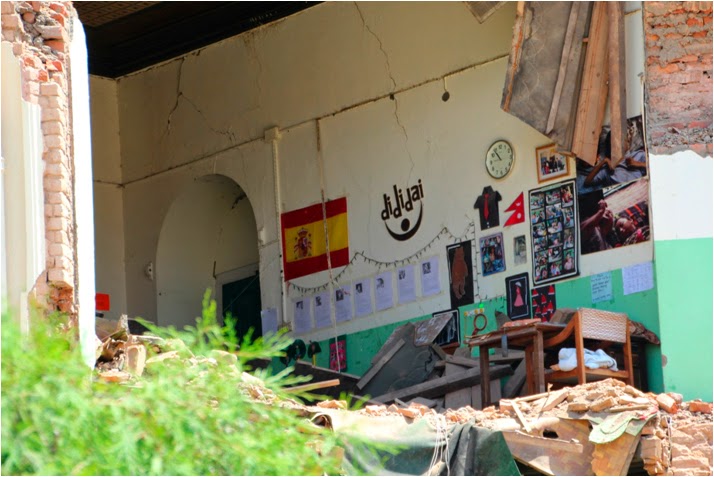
(529, 337)
(590, 324)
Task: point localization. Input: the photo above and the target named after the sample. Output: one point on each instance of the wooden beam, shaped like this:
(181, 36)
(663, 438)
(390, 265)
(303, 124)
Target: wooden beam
(515, 56)
(549, 456)
(593, 91)
(311, 386)
(441, 386)
(618, 92)
(567, 45)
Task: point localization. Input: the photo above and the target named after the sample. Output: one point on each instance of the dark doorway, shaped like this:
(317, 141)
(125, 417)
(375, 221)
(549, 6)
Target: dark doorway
(241, 299)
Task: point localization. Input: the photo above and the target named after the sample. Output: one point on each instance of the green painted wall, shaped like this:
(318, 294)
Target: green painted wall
(642, 307)
(684, 272)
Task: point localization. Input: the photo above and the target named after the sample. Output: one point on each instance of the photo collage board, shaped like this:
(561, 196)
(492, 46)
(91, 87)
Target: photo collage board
(554, 232)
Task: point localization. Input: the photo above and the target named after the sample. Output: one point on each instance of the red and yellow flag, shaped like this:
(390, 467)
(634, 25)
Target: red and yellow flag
(304, 244)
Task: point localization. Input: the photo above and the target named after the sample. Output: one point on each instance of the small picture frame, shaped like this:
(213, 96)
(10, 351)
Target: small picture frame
(492, 256)
(518, 297)
(551, 164)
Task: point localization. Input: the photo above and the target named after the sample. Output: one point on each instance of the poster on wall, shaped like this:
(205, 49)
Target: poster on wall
(383, 293)
(269, 320)
(554, 234)
(614, 217)
(451, 333)
(343, 304)
(405, 284)
(517, 297)
(430, 283)
(321, 309)
(338, 354)
(604, 173)
(302, 321)
(461, 285)
(543, 302)
(362, 293)
(492, 259)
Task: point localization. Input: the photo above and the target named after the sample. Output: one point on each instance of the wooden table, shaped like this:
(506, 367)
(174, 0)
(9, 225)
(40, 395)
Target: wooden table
(529, 337)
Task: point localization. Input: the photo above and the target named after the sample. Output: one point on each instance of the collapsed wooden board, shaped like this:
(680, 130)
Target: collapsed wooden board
(441, 386)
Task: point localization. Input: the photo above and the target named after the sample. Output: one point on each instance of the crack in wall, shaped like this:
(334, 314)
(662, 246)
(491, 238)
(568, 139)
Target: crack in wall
(180, 95)
(255, 58)
(394, 87)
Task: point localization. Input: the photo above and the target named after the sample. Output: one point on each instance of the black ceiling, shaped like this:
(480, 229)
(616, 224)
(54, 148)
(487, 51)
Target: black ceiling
(123, 37)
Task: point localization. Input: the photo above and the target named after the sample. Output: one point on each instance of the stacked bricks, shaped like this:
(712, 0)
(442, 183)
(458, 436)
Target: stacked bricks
(678, 48)
(38, 32)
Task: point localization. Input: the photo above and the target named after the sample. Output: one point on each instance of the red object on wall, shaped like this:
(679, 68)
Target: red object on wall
(101, 301)
(519, 212)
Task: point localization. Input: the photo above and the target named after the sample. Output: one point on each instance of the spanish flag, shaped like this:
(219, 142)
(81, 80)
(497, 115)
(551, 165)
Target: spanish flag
(304, 244)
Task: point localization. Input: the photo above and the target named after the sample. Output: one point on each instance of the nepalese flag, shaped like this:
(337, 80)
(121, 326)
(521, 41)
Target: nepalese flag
(518, 209)
(304, 244)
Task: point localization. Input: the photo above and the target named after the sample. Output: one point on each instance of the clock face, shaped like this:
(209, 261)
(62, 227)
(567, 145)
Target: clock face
(499, 159)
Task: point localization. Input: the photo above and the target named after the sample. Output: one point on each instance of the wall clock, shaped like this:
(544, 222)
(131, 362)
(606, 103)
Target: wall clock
(500, 159)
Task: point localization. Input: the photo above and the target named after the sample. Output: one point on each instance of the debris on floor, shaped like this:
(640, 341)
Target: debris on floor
(600, 428)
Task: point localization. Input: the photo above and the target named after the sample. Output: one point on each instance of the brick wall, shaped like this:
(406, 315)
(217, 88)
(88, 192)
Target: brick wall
(40, 33)
(678, 48)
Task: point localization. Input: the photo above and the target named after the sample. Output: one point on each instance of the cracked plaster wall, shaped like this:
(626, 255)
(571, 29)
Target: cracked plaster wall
(333, 68)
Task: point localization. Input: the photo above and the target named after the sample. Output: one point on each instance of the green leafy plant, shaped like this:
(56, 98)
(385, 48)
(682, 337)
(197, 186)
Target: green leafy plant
(57, 419)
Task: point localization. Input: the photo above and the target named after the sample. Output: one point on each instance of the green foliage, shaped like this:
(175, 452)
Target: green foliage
(183, 420)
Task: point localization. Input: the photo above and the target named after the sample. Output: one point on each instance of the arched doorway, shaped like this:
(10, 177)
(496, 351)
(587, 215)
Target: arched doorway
(209, 240)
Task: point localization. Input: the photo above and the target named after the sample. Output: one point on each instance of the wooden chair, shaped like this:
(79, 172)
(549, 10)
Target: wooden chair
(590, 324)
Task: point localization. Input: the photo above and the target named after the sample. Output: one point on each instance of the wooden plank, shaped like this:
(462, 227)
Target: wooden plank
(519, 414)
(618, 93)
(593, 91)
(461, 397)
(438, 387)
(310, 386)
(465, 362)
(555, 398)
(371, 372)
(486, 383)
(515, 383)
(549, 456)
(614, 457)
(515, 56)
(476, 394)
(567, 45)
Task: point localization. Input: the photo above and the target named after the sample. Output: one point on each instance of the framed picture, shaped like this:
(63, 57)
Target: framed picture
(554, 232)
(518, 297)
(551, 164)
(492, 259)
(451, 333)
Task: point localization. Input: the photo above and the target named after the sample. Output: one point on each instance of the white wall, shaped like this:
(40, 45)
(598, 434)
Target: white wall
(335, 65)
(209, 229)
(23, 217)
(108, 203)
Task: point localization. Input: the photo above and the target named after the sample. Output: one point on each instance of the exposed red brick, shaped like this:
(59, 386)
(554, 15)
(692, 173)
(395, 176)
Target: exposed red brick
(700, 34)
(57, 45)
(42, 75)
(59, 18)
(59, 8)
(693, 21)
(699, 406)
(29, 17)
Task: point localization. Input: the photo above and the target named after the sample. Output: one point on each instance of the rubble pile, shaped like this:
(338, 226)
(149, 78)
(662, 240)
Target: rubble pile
(600, 428)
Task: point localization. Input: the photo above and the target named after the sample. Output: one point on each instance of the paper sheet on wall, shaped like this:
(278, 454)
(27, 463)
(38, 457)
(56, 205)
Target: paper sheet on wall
(601, 287)
(269, 320)
(383, 291)
(362, 293)
(430, 284)
(405, 284)
(637, 278)
(321, 307)
(301, 315)
(343, 304)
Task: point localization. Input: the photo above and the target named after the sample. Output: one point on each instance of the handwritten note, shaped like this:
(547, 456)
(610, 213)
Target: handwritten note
(601, 287)
(637, 278)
